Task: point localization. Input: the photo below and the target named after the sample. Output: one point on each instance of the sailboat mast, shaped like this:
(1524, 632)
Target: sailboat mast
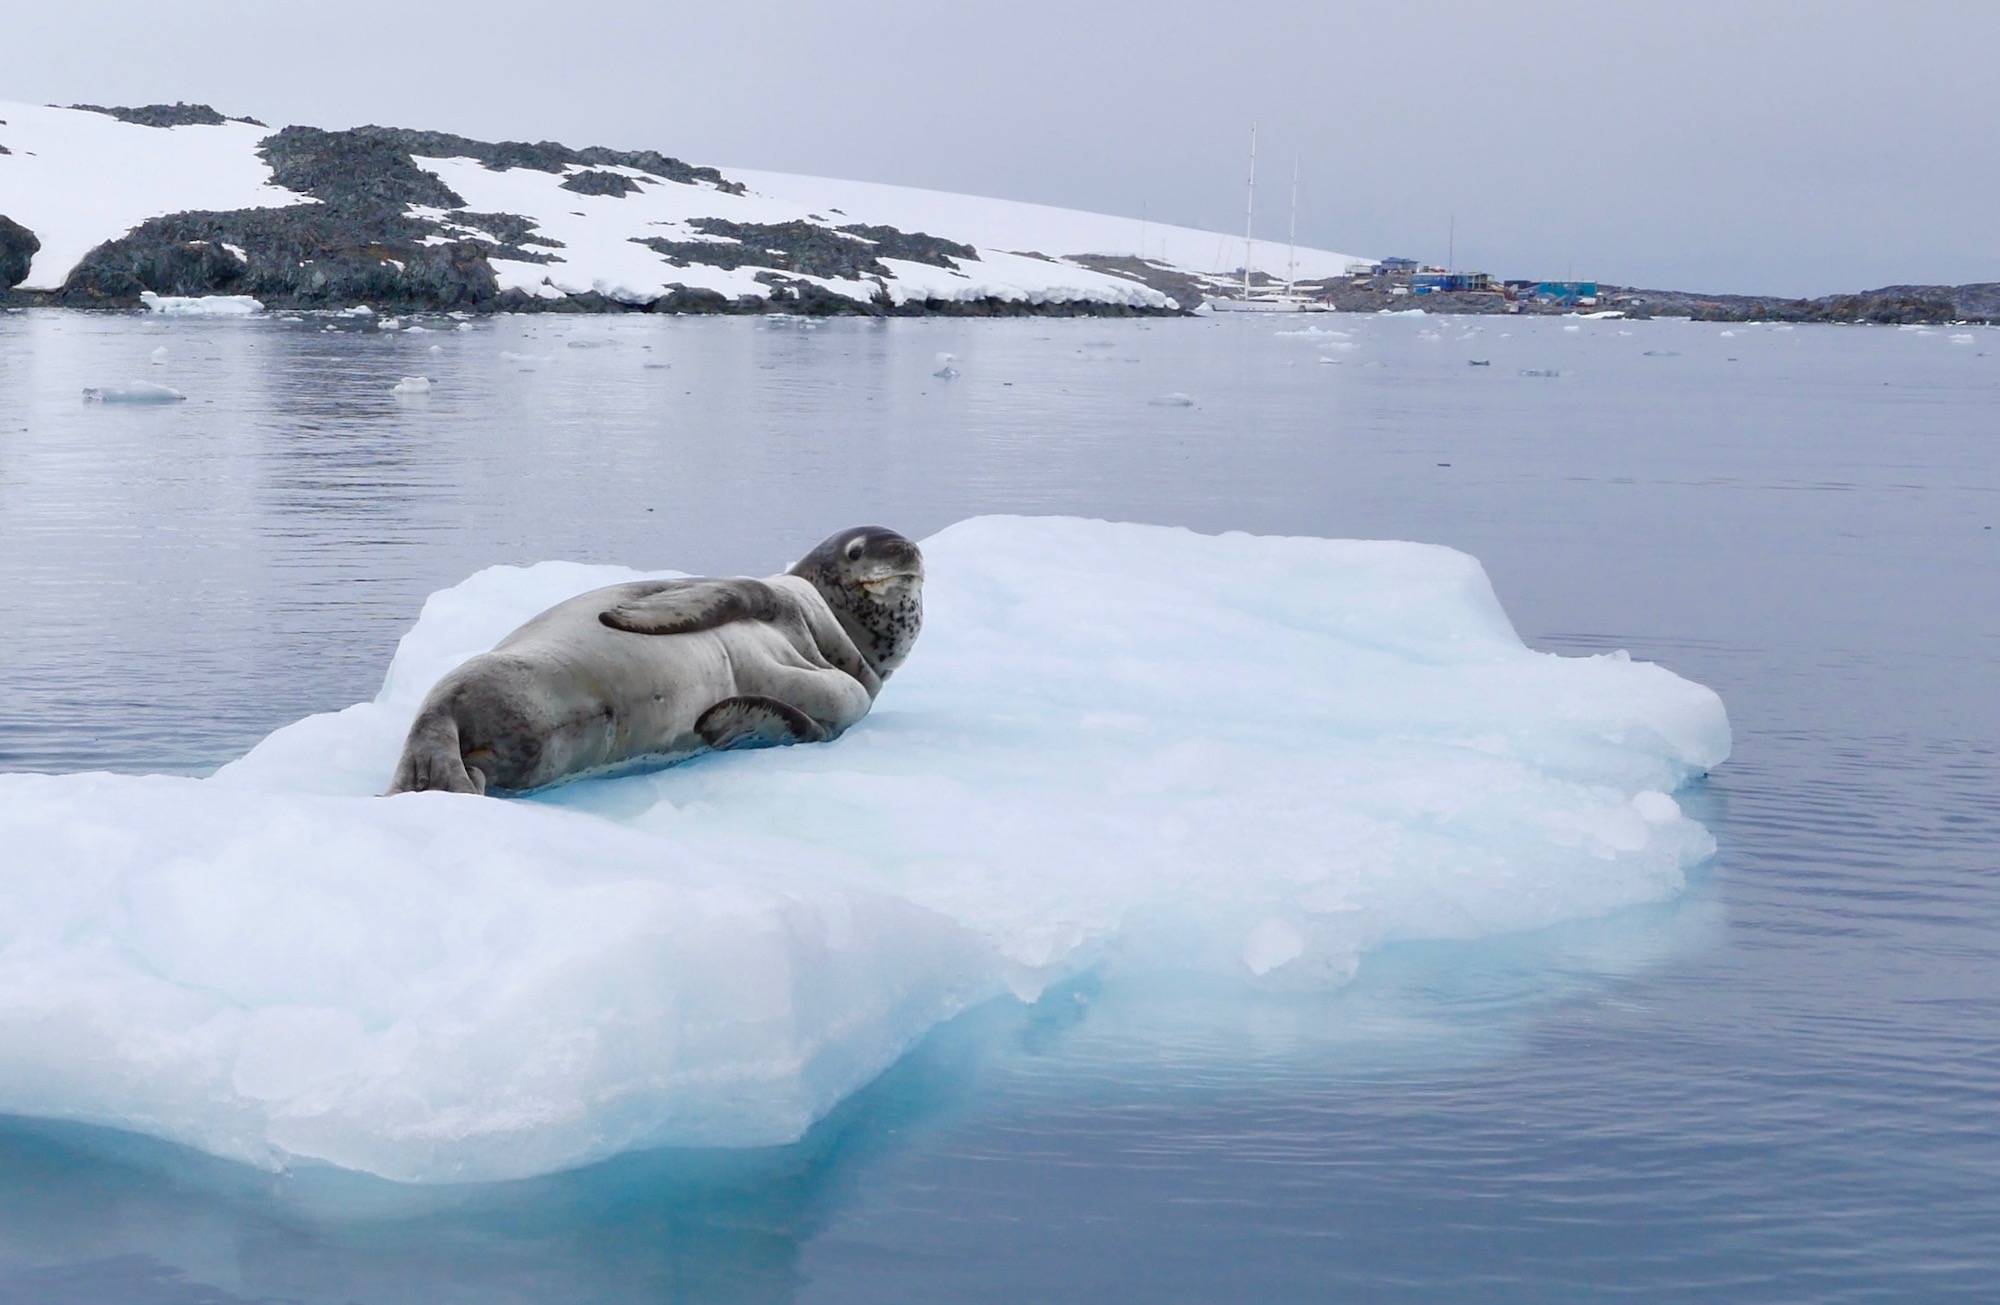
(1249, 208)
(1292, 253)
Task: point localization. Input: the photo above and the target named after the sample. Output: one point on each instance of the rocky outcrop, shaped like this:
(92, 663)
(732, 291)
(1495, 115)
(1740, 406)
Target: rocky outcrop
(807, 249)
(615, 184)
(165, 115)
(1175, 284)
(18, 247)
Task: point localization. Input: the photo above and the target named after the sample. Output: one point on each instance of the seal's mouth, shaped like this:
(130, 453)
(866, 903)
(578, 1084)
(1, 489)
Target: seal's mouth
(883, 582)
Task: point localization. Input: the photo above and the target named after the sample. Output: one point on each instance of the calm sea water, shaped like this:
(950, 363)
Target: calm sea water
(1785, 1086)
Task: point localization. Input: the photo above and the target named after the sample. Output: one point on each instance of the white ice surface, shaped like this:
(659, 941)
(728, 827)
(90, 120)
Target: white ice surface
(78, 179)
(1124, 746)
(201, 305)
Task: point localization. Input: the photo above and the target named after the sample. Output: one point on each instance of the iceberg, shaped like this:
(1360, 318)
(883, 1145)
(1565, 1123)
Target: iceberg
(133, 392)
(1134, 750)
(201, 305)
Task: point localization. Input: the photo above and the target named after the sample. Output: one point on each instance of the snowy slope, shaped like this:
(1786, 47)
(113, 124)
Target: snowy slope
(1010, 224)
(77, 179)
(597, 234)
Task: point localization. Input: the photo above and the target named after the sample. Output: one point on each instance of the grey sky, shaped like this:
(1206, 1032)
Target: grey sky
(1778, 146)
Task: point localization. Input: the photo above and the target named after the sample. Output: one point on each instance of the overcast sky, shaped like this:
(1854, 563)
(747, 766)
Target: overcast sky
(1773, 146)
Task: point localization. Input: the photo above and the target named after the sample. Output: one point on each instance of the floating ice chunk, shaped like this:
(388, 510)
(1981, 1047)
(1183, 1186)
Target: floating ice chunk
(1335, 361)
(510, 356)
(389, 324)
(1244, 759)
(1174, 400)
(946, 366)
(1961, 339)
(1572, 327)
(133, 392)
(1544, 372)
(201, 305)
(1727, 335)
(413, 385)
(436, 348)
(160, 356)
(1662, 353)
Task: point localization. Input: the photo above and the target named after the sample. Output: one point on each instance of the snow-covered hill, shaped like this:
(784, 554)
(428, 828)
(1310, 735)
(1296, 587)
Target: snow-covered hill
(98, 207)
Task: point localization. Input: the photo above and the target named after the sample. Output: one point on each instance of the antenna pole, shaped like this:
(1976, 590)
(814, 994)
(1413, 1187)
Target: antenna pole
(1451, 246)
(1249, 208)
(1292, 254)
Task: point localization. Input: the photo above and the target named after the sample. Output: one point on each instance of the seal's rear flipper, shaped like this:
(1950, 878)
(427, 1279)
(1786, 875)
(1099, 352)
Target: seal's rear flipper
(687, 606)
(431, 760)
(752, 721)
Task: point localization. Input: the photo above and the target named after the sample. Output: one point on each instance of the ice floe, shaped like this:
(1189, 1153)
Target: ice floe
(1247, 760)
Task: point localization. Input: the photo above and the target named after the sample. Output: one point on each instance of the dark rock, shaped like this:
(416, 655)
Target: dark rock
(545, 156)
(165, 115)
(1176, 285)
(18, 247)
(912, 246)
(616, 184)
(309, 256)
(806, 248)
(358, 169)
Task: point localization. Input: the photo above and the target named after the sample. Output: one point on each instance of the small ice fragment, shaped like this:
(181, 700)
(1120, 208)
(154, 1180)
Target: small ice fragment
(1539, 371)
(1274, 942)
(1174, 400)
(359, 310)
(437, 348)
(132, 392)
(1572, 328)
(1662, 353)
(1961, 339)
(160, 356)
(1727, 335)
(1335, 361)
(413, 385)
(201, 305)
(389, 324)
(945, 368)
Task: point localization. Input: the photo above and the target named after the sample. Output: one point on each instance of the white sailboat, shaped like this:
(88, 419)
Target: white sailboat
(1251, 301)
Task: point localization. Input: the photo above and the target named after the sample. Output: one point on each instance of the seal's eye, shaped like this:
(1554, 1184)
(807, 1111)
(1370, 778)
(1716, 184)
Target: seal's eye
(854, 550)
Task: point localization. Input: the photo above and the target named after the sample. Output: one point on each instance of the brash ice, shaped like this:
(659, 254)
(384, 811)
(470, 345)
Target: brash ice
(1124, 747)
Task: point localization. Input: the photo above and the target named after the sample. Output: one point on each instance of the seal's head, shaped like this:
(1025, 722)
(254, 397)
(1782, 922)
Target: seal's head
(873, 579)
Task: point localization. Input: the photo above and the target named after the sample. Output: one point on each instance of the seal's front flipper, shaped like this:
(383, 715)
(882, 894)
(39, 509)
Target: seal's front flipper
(686, 606)
(752, 721)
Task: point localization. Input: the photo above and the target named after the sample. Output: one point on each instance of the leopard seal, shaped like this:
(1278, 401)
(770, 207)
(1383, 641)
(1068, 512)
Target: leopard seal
(657, 670)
